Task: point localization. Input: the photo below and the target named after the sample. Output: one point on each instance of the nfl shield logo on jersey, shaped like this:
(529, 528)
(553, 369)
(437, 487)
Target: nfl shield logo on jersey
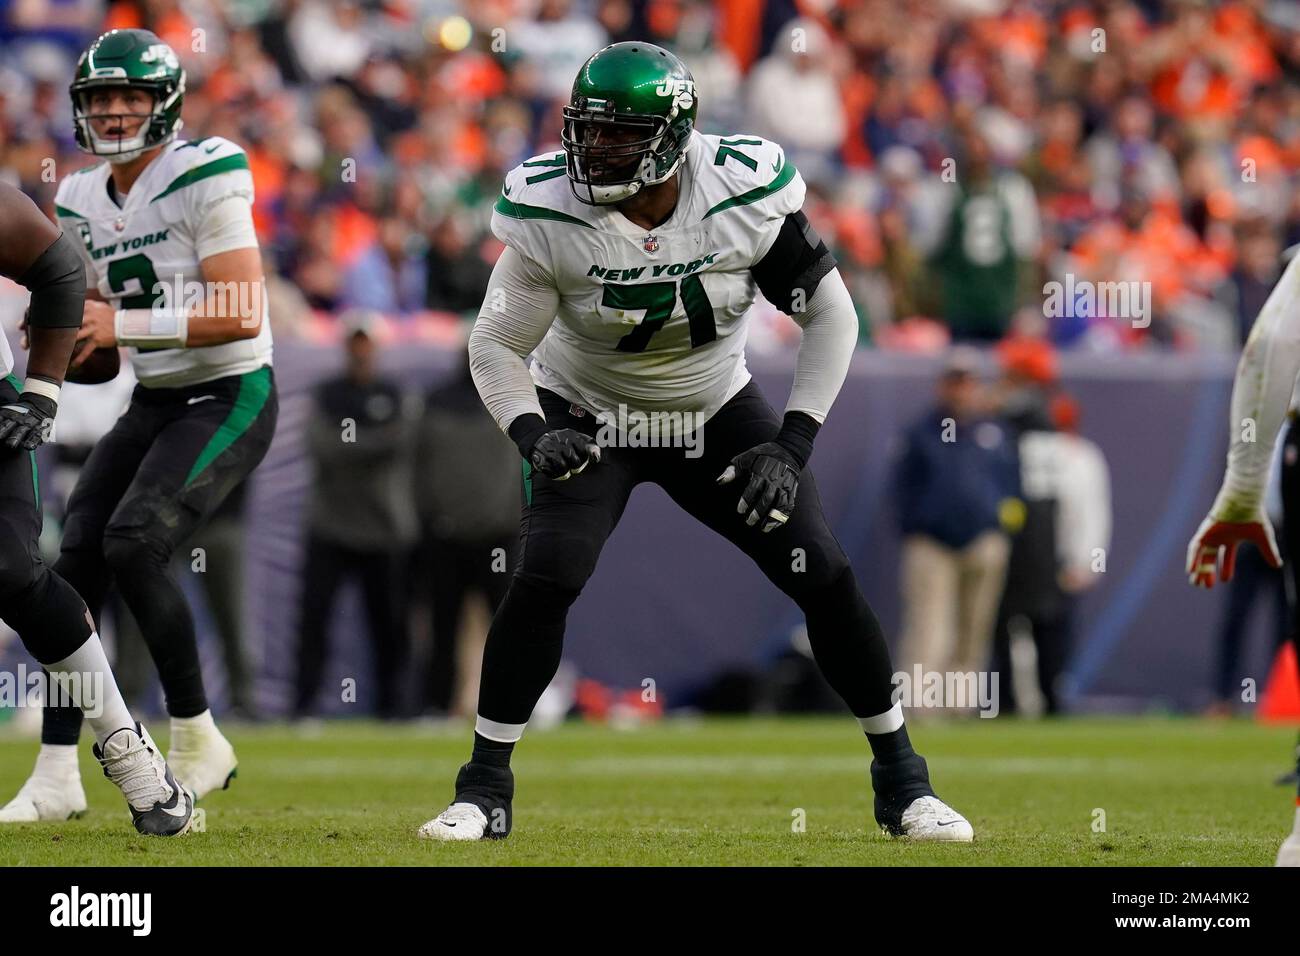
(651, 243)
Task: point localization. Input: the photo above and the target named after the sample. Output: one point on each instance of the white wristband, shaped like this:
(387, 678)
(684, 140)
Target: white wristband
(146, 328)
(38, 386)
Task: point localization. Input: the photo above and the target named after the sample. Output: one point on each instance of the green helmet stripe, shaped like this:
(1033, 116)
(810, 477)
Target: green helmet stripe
(227, 164)
(782, 179)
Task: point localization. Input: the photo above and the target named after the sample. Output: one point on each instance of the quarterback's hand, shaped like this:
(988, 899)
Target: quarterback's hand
(26, 423)
(773, 483)
(98, 330)
(1215, 539)
(563, 452)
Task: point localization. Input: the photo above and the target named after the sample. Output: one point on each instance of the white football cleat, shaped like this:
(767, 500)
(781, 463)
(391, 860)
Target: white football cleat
(52, 792)
(202, 759)
(1289, 853)
(930, 820)
(159, 804)
(460, 821)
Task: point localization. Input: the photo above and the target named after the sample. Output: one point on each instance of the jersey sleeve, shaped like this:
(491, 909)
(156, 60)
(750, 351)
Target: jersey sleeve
(756, 187)
(532, 202)
(214, 186)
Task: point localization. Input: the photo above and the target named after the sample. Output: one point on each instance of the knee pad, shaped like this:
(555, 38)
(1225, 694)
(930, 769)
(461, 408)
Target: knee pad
(538, 599)
(128, 553)
(828, 579)
(18, 572)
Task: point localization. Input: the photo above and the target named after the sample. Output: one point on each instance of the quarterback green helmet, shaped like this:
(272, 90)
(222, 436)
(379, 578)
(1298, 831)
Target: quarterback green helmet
(138, 59)
(628, 122)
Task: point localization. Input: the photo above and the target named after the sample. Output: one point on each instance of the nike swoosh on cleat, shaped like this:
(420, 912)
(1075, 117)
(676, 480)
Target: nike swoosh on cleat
(199, 398)
(178, 810)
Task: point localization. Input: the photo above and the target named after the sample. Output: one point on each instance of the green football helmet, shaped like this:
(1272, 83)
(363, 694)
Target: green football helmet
(628, 122)
(135, 58)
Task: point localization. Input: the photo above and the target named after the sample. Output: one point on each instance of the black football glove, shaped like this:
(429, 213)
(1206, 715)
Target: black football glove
(557, 453)
(773, 469)
(27, 422)
(564, 452)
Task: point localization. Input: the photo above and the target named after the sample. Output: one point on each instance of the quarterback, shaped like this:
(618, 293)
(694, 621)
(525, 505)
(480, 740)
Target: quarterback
(164, 229)
(632, 256)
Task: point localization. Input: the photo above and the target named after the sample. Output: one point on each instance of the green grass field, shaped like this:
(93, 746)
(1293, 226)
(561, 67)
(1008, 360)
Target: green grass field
(1174, 792)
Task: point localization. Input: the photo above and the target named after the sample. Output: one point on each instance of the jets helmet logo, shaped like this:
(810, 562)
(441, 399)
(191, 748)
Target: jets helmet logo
(682, 92)
(160, 51)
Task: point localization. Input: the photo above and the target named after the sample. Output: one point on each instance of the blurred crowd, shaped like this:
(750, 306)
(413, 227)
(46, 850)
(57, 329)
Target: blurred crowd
(959, 153)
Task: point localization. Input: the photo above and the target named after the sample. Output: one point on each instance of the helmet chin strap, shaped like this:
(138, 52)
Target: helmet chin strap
(605, 195)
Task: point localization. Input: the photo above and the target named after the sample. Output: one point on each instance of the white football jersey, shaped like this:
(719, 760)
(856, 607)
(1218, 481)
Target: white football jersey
(653, 320)
(153, 238)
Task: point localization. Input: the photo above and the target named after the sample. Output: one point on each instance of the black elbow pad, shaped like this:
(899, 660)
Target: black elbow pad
(57, 280)
(788, 275)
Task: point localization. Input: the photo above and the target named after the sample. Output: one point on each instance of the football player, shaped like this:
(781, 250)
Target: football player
(36, 602)
(164, 227)
(1261, 395)
(632, 258)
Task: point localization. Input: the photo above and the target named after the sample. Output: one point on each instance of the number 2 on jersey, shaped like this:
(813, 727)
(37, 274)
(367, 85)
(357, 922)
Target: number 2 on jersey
(136, 267)
(659, 299)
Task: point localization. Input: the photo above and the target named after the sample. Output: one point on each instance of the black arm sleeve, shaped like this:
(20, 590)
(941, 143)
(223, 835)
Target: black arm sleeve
(57, 280)
(797, 260)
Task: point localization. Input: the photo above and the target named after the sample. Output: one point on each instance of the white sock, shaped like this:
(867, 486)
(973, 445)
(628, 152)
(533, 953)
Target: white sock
(197, 723)
(885, 723)
(102, 697)
(57, 760)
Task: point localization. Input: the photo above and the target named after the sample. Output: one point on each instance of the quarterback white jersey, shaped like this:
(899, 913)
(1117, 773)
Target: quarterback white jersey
(153, 243)
(653, 320)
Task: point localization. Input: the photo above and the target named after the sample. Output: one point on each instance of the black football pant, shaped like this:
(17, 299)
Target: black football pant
(35, 601)
(565, 524)
(163, 469)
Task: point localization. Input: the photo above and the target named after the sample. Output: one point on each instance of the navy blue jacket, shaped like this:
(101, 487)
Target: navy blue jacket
(950, 491)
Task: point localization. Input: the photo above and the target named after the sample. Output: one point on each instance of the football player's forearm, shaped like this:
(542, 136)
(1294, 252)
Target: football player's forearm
(57, 280)
(518, 309)
(830, 334)
(215, 323)
(1261, 394)
(502, 379)
(50, 350)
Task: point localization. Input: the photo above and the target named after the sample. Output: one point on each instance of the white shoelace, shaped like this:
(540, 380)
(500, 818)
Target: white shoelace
(140, 776)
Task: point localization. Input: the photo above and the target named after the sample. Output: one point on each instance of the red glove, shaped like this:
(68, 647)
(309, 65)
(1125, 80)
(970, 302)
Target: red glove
(1220, 538)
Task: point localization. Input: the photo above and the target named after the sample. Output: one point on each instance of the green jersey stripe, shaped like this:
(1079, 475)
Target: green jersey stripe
(542, 177)
(553, 161)
(67, 213)
(227, 164)
(254, 389)
(517, 210)
(782, 179)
